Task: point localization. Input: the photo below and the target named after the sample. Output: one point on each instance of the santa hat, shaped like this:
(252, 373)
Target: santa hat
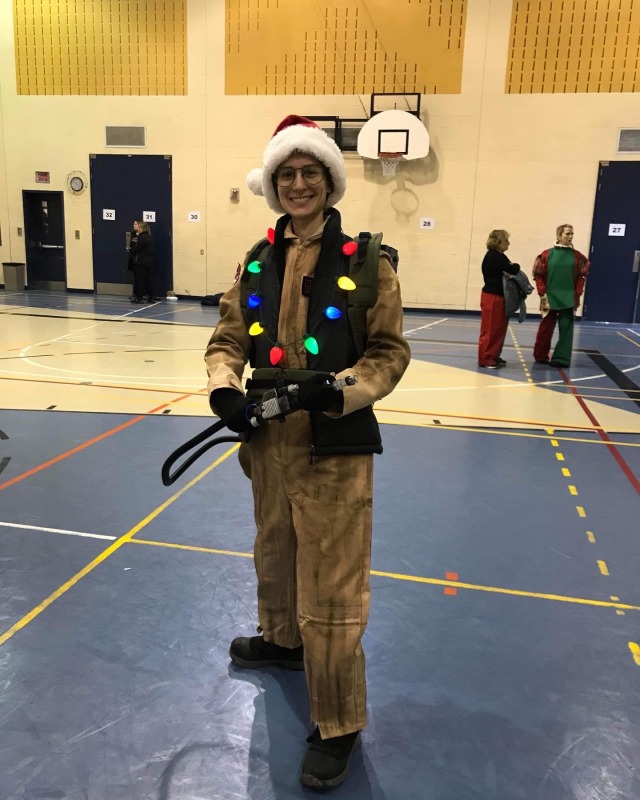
(298, 134)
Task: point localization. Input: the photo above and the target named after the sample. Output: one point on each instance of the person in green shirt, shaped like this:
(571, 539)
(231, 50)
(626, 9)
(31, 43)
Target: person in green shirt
(559, 274)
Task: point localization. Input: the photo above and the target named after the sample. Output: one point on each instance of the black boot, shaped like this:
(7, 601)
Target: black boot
(254, 652)
(327, 761)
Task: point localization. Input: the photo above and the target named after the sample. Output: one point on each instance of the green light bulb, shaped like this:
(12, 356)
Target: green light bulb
(311, 344)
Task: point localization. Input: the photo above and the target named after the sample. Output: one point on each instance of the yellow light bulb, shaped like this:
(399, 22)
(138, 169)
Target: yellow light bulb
(255, 329)
(346, 283)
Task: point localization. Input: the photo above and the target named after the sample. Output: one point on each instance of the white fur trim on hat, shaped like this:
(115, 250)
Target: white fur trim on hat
(298, 134)
(254, 180)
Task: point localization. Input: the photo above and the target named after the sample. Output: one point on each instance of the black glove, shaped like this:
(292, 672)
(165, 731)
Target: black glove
(232, 407)
(318, 394)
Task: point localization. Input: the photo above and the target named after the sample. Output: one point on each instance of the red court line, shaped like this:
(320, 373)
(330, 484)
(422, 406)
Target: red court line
(602, 434)
(83, 446)
(69, 453)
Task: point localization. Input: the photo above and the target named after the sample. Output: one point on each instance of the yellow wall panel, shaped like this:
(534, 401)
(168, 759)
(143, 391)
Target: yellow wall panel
(108, 47)
(343, 46)
(578, 46)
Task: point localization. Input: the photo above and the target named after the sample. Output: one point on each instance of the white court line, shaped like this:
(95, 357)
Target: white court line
(136, 347)
(57, 530)
(635, 333)
(414, 330)
(25, 350)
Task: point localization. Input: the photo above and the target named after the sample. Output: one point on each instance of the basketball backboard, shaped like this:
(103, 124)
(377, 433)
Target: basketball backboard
(394, 132)
(395, 101)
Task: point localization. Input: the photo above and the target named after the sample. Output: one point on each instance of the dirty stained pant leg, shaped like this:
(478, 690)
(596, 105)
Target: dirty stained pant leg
(312, 557)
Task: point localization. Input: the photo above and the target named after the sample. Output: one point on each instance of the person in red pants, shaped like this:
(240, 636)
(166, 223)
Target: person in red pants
(559, 274)
(494, 321)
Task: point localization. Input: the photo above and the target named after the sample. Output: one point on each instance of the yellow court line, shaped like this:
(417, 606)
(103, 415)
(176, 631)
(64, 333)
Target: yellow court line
(472, 429)
(500, 590)
(192, 547)
(419, 579)
(95, 385)
(109, 551)
(506, 420)
(633, 341)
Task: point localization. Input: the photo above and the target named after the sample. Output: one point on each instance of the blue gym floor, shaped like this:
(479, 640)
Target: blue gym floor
(503, 649)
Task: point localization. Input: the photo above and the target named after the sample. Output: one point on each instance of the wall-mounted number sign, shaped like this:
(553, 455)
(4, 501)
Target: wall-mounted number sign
(427, 223)
(109, 213)
(616, 229)
(193, 216)
(148, 216)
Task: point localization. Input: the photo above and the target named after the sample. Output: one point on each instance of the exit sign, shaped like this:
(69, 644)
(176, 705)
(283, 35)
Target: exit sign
(43, 177)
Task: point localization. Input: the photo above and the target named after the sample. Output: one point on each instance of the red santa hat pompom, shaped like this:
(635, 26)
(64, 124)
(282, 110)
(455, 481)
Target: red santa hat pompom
(302, 135)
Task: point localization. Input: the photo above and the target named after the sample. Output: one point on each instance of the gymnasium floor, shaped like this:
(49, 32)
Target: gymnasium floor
(503, 650)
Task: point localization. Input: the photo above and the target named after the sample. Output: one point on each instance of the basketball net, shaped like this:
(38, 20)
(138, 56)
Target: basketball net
(389, 162)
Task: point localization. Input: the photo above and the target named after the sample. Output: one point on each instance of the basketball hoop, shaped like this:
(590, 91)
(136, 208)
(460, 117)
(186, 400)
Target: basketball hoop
(389, 162)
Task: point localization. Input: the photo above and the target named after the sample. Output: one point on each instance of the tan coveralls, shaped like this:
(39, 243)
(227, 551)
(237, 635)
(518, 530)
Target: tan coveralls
(313, 546)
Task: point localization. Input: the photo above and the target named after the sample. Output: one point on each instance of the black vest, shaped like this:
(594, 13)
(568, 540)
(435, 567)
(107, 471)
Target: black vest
(357, 432)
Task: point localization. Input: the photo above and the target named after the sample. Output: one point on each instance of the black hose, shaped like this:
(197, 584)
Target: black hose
(167, 477)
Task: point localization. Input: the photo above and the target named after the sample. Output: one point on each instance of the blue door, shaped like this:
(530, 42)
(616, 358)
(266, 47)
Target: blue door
(44, 239)
(125, 188)
(611, 294)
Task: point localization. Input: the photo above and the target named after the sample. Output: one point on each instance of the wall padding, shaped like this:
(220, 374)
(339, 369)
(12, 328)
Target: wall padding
(344, 47)
(564, 46)
(111, 47)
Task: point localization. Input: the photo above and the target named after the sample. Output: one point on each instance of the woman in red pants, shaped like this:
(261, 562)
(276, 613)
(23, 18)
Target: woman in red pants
(494, 322)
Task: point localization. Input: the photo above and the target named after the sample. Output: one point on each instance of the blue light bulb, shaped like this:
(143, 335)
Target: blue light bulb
(331, 312)
(253, 301)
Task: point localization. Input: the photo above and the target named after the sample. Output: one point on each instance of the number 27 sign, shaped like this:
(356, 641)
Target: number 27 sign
(616, 229)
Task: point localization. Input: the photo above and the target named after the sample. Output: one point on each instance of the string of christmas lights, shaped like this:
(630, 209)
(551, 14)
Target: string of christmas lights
(254, 301)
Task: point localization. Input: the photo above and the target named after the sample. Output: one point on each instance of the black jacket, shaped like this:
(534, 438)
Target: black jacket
(132, 247)
(143, 251)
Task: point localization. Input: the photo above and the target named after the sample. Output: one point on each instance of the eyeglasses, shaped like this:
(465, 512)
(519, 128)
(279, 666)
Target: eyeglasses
(311, 174)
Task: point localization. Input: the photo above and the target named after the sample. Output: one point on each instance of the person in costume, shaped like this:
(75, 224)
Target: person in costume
(312, 475)
(494, 321)
(559, 274)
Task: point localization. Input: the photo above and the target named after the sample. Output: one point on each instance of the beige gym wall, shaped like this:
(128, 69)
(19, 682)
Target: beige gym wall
(524, 162)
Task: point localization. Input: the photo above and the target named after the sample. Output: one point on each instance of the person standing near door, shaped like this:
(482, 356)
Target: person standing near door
(142, 258)
(133, 238)
(559, 274)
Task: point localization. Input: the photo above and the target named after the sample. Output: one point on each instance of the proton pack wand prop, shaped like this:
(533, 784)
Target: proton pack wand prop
(275, 404)
(278, 403)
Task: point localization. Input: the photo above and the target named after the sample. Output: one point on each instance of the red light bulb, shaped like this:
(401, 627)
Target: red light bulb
(275, 354)
(349, 248)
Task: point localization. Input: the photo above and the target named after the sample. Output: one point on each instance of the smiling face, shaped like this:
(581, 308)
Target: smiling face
(304, 202)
